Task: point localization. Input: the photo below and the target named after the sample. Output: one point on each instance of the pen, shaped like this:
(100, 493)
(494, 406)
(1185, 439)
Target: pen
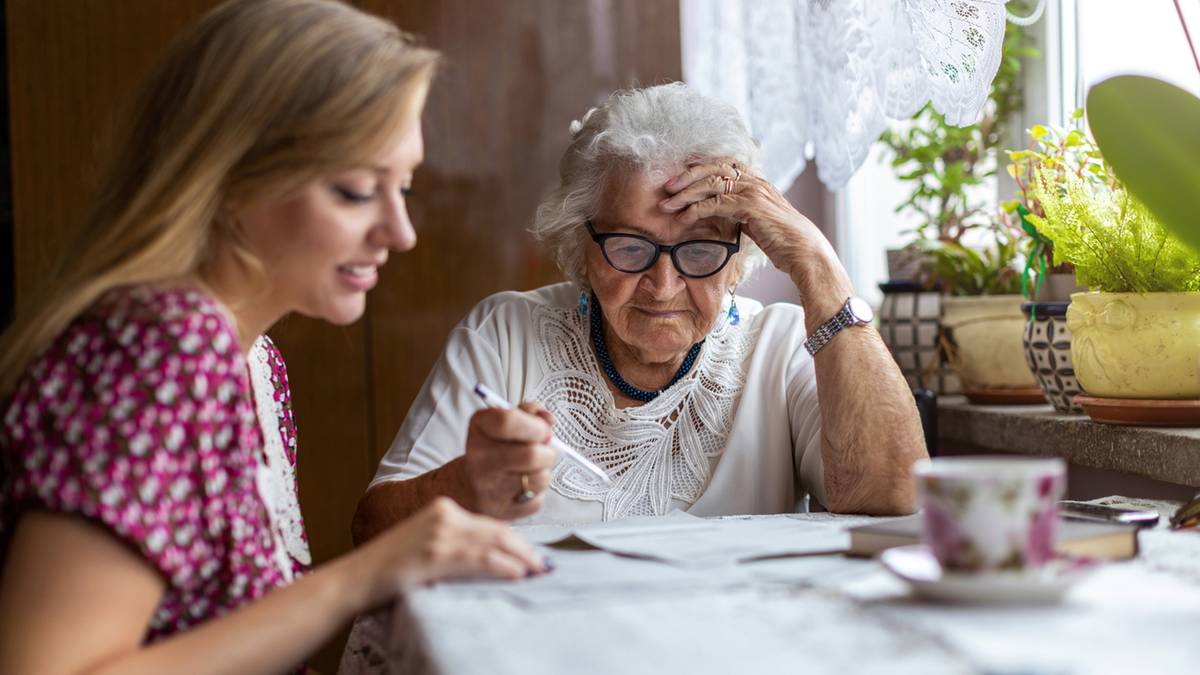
(491, 400)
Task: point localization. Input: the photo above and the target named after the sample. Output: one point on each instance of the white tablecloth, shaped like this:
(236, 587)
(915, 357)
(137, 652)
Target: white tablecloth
(811, 614)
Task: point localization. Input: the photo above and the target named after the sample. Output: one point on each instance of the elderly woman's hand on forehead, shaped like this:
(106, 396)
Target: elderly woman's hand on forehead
(722, 188)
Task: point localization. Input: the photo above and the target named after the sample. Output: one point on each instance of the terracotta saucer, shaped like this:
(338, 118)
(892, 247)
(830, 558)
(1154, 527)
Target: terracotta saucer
(1027, 396)
(1135, 411)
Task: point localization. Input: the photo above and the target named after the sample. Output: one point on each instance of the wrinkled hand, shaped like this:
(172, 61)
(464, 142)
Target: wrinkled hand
(719, 188)
(444, 541)
(722, 189)
(507, 454)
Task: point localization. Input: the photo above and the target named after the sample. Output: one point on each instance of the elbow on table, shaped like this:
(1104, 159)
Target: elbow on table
(368, 517)
(886, 491)
(898, 501)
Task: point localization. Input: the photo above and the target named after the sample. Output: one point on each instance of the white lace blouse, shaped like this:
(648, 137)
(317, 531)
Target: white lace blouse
(739, 434)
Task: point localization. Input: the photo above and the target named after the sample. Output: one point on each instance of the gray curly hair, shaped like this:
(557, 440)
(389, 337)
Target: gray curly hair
(647, 130)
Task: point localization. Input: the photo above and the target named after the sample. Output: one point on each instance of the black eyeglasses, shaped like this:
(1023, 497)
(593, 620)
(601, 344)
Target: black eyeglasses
(694, 259)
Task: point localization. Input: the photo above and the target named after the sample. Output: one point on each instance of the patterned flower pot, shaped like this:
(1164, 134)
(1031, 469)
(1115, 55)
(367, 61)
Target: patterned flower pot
(909, 321)
(1048, 353)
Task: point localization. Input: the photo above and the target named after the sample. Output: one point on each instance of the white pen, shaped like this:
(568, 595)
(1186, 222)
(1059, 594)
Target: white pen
(491, 400)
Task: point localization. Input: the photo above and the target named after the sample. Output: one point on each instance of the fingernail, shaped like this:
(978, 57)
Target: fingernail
(547, 565)
(671, 183)
(666, 205)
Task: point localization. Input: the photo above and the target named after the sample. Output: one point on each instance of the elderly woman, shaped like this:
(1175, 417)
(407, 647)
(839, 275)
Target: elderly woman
(648, 363)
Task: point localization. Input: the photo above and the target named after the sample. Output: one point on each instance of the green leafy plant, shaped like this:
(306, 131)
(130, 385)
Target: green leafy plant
(943, 162)
(1055, 152)
(1114, 240)
(1149, 131)
(964, 270)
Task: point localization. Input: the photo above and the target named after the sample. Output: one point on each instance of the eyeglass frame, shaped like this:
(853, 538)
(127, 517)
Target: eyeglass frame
(730, 248)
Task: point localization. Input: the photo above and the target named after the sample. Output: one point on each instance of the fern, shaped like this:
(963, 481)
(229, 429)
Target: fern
(1115, 242)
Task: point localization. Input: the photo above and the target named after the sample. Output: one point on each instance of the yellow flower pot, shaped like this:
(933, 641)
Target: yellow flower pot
(1133, 345)
(986, 333)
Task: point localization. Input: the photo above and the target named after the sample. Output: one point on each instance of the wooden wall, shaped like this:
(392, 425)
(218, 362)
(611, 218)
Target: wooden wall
(516, 73)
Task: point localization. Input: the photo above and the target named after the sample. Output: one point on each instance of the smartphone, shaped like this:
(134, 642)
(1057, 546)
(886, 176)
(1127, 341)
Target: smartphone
(1107, 514)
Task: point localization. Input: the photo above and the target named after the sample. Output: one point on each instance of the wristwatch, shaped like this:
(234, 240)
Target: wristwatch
(856, 312)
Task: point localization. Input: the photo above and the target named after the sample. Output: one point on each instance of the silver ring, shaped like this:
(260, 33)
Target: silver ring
(525, 495)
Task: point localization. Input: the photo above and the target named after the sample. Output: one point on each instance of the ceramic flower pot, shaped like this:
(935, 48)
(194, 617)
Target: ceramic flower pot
(982, 334)
(909, 321)
(1058, 287)
(905, 265)
(1048, 353)
(1132, 345)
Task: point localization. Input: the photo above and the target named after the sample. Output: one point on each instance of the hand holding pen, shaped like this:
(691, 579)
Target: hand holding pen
(508, 458)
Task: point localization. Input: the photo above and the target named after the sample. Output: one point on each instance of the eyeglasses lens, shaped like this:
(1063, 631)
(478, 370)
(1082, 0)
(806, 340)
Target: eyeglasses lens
(629, 254)
(700, 259)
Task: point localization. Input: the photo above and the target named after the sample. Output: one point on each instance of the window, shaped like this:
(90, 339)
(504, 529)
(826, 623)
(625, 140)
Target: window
(1121, 38)
(1082, 43)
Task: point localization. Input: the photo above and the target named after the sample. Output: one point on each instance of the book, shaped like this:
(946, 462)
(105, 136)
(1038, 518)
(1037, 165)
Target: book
(1102, 541)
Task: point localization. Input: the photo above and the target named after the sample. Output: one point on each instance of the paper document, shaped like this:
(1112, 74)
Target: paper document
(688, 540)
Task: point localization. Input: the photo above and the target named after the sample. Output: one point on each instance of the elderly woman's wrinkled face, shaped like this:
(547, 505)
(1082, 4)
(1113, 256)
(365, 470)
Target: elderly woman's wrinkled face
(658, 314)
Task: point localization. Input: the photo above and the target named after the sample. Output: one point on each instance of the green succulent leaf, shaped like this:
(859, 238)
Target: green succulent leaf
(1149, 132)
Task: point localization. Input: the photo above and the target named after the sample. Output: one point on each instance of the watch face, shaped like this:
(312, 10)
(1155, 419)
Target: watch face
(861, 310)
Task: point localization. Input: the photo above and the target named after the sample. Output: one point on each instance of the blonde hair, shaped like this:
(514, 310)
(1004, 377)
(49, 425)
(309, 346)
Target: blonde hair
(255, 99)
(637, 130)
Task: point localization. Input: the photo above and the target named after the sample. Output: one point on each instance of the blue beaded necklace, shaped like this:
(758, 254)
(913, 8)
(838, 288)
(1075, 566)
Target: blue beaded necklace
(601, 347)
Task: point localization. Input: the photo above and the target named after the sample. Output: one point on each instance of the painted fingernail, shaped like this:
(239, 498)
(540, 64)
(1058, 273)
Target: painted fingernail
(548, 565)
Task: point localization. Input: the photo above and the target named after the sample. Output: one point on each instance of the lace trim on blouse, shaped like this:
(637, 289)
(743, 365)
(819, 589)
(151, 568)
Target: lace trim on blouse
(655, 453)
(275, 476)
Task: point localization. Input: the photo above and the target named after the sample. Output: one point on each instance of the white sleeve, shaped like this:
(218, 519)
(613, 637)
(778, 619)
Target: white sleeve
(804, 412)
(435, 429)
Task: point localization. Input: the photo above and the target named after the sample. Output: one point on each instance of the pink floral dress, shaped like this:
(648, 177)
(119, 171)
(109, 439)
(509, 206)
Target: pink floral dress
(143, 418)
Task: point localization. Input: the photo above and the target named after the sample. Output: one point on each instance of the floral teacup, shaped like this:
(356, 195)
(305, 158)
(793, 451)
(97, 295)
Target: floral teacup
(990, 513)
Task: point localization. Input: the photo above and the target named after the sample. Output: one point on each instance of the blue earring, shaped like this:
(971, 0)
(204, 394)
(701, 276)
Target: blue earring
(734, 317)
(583, 303)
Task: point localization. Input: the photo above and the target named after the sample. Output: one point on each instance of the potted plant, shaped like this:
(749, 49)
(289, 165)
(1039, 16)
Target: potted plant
(1052, 153)
(981, 314)
(1135, 332)
(943, 163)
(1057, 151)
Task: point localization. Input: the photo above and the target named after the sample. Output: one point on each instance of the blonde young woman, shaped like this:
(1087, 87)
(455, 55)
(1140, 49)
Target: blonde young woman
(148, 520)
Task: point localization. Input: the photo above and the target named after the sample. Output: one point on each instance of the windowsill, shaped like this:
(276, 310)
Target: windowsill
(1166, 454)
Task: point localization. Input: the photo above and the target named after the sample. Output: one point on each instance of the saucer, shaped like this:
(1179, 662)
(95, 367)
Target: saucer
(917, 566)
(1151, 412)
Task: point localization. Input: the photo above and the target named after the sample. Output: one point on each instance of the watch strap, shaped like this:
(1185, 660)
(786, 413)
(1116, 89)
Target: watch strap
(840, 321)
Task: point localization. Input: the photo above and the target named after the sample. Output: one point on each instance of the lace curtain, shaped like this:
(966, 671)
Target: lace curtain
(823, 78)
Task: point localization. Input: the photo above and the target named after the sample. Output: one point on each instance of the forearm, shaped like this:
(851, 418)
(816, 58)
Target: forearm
(389, 503)
(871, 432)
(271, 635)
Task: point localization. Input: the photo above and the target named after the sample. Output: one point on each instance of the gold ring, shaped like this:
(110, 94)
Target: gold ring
(729, 183)
(525, 494)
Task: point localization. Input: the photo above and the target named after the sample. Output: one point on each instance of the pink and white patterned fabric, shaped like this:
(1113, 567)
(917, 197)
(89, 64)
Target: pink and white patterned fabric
(140, 418)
